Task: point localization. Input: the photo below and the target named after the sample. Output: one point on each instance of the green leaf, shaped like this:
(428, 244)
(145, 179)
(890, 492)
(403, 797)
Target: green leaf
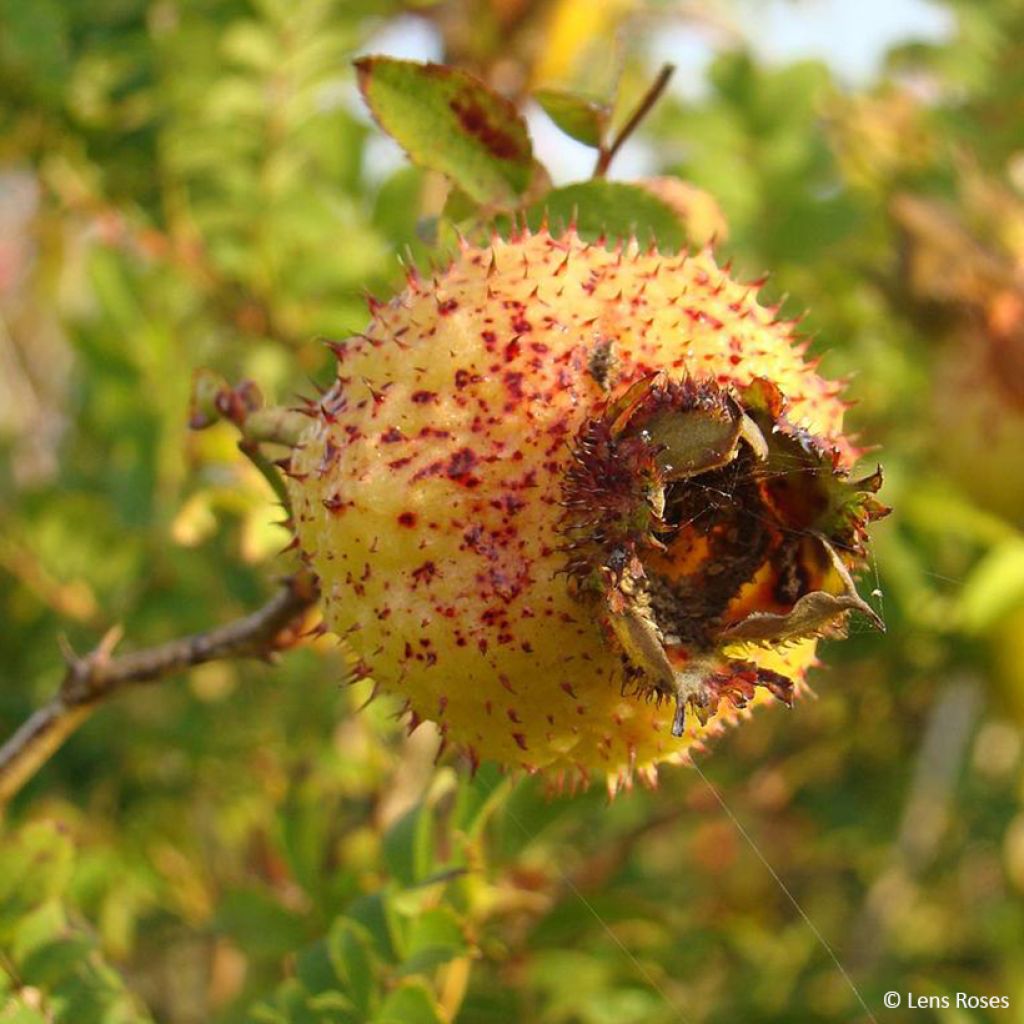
(613, 209)
(332, 1008)
(350, 949)
(35, 867)
(580, 118)
(50, 963)
(315, 969)
(435, 937)
(264, 1013)
(290, 1006)
(478, 798)
(377, 915)
(936, 507)
(411, 1003)
(38, 927)
(451, 122)
(35, 43)
(995, 587)
(331, 1000)
(407, 847)
(259, 923)
(18, 1013)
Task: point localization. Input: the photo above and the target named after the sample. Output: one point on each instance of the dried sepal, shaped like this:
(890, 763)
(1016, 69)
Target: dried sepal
(700, 517)
(819, 613)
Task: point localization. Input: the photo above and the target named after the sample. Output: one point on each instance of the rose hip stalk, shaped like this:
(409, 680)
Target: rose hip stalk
(580, 505)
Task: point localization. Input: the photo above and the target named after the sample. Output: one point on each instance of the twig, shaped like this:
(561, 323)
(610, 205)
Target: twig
(607, 154)
(91, 679)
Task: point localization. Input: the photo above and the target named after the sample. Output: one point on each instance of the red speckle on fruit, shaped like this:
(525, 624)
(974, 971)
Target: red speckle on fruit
(461, 464)
(424, 574)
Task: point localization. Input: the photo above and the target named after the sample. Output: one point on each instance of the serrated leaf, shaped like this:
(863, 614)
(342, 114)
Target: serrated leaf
(613, 209)
(580, 118)
(450, 121)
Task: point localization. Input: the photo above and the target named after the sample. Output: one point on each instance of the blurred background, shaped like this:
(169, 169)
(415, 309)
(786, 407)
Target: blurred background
(194, 182)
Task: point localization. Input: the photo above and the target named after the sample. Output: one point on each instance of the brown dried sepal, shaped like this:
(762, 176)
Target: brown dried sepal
(820, 612)
(735, 681)
(806, 484)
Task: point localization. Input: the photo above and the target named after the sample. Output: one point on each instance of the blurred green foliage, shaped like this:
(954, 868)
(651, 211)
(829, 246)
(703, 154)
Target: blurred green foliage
(197, 184)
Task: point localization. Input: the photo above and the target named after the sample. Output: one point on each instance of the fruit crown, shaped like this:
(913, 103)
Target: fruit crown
(698, 518)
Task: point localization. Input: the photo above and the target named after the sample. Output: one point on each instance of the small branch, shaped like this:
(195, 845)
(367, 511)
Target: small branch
(91, 679)
(653, 94)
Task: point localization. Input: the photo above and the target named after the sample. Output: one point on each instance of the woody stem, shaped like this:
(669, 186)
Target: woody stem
(607, 154)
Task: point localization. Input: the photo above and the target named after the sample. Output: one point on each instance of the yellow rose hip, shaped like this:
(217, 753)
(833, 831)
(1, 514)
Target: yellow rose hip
(579, 504)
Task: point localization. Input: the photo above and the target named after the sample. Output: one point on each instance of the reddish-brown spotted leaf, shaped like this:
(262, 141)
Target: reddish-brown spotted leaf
(449, 121)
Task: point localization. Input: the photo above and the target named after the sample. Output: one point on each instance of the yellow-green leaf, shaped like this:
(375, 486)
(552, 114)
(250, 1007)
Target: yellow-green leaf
(994, 588)
(410, 1003)
(583, 119)
(613, 209)
(449, 121)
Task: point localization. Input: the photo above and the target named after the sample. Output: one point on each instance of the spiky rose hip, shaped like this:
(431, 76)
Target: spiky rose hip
(563, 494)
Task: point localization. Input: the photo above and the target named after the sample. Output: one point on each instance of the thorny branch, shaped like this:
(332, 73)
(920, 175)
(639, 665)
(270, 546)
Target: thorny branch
(93, 678)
